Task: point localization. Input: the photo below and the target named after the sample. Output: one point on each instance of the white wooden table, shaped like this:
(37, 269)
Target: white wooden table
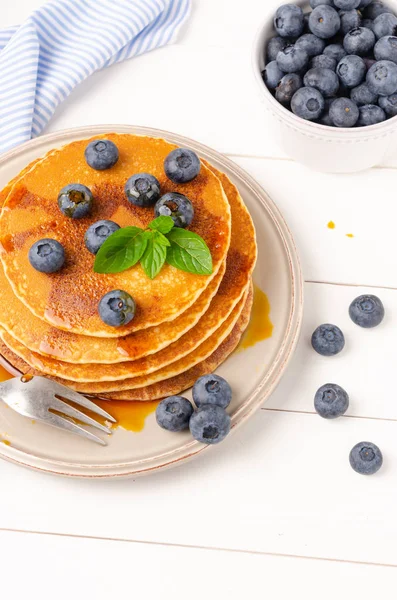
(276, 511)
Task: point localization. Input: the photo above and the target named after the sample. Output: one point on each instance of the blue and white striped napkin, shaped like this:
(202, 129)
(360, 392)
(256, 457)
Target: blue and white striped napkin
(64, 42)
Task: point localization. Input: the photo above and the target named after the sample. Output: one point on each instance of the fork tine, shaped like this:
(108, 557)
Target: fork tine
(62, 423)
(70, 411)
(68, 394)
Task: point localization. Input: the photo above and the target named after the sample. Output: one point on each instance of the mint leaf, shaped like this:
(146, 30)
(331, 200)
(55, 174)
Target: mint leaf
(189, 252)
(122, 250)
(154, 256)
(161, 239)
(162, 224)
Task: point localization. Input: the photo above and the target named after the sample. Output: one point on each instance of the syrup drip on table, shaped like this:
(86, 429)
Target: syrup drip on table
(260, 326)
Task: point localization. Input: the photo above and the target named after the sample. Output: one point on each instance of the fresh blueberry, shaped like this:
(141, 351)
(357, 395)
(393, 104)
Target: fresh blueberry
(324, 22)
(374, 9)
(366, 458)
(382, 78)
(367, 311)
(274, 46)
(359, 41)
(368, 23)
(322, 61)
(142, 189)
(312, 44)
(349, 19)
(47, 256)
(331, 401)
(327, 339)
(212, 389)
(272, 75)
(182, 165)
(369, 62)
(364, 4)
(101, 154)
(323, 80)
(370, 114)
(347, 4)
(174, 413)
(75, 200)
(344, 113)
(287, 87)
(116, 308)
(386, 48)
(176, 206)
(292, 59)
(289, 21)
(307, 103)
(325, 119)
(362, 95)
(97, 233)
(335, 51)
(351, 70)
(385, 24)
(389, 104)
(210, 424)
(315, 3)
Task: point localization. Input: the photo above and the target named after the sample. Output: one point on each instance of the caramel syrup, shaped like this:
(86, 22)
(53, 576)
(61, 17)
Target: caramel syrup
(129, 415)
(260, 326)
(5, 375)
(6, 244)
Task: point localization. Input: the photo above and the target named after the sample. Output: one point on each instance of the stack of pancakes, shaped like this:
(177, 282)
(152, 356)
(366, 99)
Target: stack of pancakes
(185, 324)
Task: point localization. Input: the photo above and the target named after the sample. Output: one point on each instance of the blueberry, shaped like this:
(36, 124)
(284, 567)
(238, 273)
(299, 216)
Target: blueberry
(101, 154)
(349, 19)
(210, 424)
(176, 206)
(323, 80)
(287, 87)
(47, 256)
(142, 189)
(331, 401)
(174, 413)
(312, 44)
(325, 119)
(116, 308)
(182, 165)
(307, 103)
(344, 113)
(389, 104)
(274, 46)
(359, 41)
(367, 311)
(366, 458)
(322, 61)
(272, 75)
(327, 339)
(347, 4)
(385, 24)
(362, 95)
(382, 78)
(386, 48)
(324, 22)
(212, 389)
(315, 3)
(351, 70)
(306, 18)
(370, 114)
(289, 20)
(75, 200)
(369, 62)
(97, 233)
(374, 9)
(335, 51)
(292, 59)
(368, 23)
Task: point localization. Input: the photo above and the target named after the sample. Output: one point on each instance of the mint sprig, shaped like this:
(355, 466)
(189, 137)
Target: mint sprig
(161, 242)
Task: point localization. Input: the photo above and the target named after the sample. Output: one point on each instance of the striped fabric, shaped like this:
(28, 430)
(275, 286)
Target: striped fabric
(62, 43)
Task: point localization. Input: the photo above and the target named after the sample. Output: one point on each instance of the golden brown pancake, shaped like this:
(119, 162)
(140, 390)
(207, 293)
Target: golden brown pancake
(69, 299)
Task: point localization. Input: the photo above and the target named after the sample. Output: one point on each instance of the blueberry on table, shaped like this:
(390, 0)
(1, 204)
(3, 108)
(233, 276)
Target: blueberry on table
(142, 189)
(363, 95)
(210, 424)
(75, 200)
(323, 80)
(382, 78)
(324, 21)
(385, 24)
(292, 59)
(389, 104)
(331, 401)
(367, 311)
(347, 4)
(359, 41)
(182, 165)
(272, 75)
(366, 458)
(328, 340)
(176, 206)
(212, 389)
(335, 51)
(374, 9)
(307, 103)
(174, 413)
(349, 19)
(47, 256)
(344, 113)
(116, 308)
(274, 46)
(289, 21)
(370, 114)
(97, 233)
(312, 44)
(101, 154)
(322, 61)
(287, 87)
(351, 70)
(386, 48)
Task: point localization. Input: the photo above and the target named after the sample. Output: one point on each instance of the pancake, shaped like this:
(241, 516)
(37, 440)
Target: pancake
(68, 300)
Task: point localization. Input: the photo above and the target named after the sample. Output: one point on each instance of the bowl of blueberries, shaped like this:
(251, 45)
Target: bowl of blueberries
(327, 74)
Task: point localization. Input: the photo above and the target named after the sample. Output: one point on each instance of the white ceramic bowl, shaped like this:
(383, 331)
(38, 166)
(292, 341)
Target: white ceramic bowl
(327, 149)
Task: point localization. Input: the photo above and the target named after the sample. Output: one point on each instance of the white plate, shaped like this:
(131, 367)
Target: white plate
(252, 373)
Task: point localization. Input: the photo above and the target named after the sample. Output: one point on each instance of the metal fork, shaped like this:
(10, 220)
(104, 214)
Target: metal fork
(42, 399)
